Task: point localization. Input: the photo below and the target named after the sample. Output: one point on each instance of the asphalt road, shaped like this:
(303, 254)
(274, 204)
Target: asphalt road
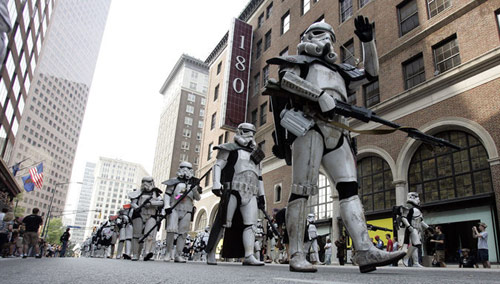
(109, 271)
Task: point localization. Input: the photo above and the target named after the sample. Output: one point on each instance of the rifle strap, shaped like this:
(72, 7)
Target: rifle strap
(369, 131)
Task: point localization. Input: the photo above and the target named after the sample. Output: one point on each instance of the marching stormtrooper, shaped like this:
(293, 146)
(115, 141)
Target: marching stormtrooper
(259, 238)
(237, 179)
(145, 204)
(309, 134)
(126, 230)
(311, 244)
(413, 220)
(179, 220)
(200, 243)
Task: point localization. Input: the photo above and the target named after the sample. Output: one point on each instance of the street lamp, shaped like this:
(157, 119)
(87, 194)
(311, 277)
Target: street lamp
(45, 229)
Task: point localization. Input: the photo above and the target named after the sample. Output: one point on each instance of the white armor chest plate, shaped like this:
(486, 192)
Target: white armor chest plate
(327, 80)
(186, 203)
(244, 163)
(417, 218)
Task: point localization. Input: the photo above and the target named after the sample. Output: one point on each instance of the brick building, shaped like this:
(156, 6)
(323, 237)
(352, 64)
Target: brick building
(438, 73)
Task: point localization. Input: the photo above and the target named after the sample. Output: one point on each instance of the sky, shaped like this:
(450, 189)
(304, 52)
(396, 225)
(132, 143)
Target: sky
(142, 42)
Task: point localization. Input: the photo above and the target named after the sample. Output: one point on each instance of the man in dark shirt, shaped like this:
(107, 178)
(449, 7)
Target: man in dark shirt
(280, 218)
(439, 240)
(466, 260)
(64, 239)
(30, 237)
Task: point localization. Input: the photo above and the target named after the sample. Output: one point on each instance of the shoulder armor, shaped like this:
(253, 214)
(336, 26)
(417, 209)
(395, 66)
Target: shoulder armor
(228, 147)
(171, 182)
(134, 194)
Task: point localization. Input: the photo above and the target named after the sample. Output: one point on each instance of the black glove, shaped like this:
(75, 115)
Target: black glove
(217, 192)
(278, 152)
(431, 230)
(364, 30)
(261, 202)
(200, 189)
(168, 211)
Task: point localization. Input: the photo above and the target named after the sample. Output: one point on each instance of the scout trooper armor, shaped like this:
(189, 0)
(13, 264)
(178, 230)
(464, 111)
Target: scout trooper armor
(413, 221)
(304, 119)
(179, 220)
(311, 243)
(259, 238)
(145, 204)
(237, 173)
(125, 228)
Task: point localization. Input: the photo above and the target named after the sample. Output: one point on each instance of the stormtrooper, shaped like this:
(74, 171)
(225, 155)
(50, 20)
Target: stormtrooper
(311, 240)
(237, 179)
(259, 239)
(413, 220)
(179, 220)
(309, 134)
(145, 204)
(125, 228)
(200, 243)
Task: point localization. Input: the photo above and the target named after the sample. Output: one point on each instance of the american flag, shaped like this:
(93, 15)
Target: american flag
(36, 174)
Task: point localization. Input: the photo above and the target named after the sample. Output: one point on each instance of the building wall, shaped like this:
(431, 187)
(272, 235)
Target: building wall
(83, 209)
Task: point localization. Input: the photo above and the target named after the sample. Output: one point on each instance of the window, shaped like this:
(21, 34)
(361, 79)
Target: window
(321, 204)
(497, 13)
(413, 71)
(190, 109)
(437, 6)
(202, 221)
(194, 75)
(267, 39)
(256, 84)
(185, 145)
(277, 193)
(210, 150)
(377, 191)
(191, 98)
(212, 122)
(446, 54)
(269, 10)
(202, 112)
(258, 49)
(186, 133)
(363, 3)
(221, 138)
(306, 5)
(285, 22)
(345, 10)
(183, 157)
(203, 101)
(198, 136)
(192, 85)
(408, 16)
(254, 117)
(347, 53)
(260, 20)
(188, 121)
(219, 67)
(444, 173)
(371, 93)
(265, 75)
(200, 123)
(216, 92)
(226, 136)
(263, 113)
(284, 52)
(197, 148)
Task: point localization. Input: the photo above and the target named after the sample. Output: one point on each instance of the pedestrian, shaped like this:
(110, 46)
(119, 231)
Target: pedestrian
(439, 241)
(395, 247)
(6, 224)
(30, 238)
(467, 260)
(482, 244)
(389, 243)
(341, 248)
(328, 252)
(64, 240)
(379, 243)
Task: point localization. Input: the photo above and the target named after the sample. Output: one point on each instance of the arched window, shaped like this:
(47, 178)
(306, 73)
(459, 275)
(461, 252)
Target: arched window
(277, 193)
(202, 221)
(443, 173)
(377, 191)
(321, 203)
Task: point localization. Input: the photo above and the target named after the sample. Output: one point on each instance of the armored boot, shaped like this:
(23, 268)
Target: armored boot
(170, 244)
(368, 257)
(119, 250)
(296, 227)
(112, 251)
(148, 245)
(413, 253)
(248, 244)
(136, 249)
(181, 241)
(128, 249)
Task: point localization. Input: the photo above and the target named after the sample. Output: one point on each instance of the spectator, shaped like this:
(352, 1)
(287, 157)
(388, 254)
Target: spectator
(341, 248)
(439, 241)
(379, 243)
(466, 260)
(5, 232)
(30, 237)
(64, 240)
(482, 244)
(395, 247)
(389, 243)
(328, 252)
(2, 214)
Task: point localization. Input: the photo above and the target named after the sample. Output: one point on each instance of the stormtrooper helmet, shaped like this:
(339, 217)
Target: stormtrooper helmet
(147, 184)
(318, 41)
(413, 198)
(310, 218)
(185, 170)
(245, 135)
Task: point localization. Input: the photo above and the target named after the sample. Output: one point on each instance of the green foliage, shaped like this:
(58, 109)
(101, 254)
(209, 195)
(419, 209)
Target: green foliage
(19, 211)
(55, 231)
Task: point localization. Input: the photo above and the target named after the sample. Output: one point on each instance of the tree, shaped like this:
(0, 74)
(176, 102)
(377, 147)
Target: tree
(54, 231)
(19, 211)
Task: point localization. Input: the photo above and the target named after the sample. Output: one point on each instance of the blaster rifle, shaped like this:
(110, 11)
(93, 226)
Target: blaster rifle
(377, 228)
(270, 223)
(169, 210)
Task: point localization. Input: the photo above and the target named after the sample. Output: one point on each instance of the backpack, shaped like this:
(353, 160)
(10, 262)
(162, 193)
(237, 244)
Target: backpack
(397, 214)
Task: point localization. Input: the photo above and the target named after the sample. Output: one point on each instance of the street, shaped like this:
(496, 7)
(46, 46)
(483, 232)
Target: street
(96, 270)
